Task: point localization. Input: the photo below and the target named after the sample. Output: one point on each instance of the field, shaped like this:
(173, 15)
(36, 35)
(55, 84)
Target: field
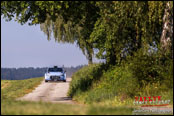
(95, 90)
(88, 102)
(12, 89)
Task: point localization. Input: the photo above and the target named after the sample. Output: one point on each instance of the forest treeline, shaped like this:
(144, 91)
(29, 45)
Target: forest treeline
(30, 72)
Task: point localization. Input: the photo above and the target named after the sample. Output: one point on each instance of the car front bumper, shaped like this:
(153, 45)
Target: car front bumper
(55, 78)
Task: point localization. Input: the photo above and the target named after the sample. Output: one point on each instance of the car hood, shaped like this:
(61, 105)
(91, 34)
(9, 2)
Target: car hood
(55, 73)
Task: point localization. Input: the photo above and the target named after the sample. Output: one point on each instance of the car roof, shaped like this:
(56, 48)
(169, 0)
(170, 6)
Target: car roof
(56, 67)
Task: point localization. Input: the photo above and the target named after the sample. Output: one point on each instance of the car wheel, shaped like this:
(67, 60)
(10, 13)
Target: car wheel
(46, 81)
(64, 80)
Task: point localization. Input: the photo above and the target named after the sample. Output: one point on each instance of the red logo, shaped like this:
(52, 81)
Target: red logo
(154, 101)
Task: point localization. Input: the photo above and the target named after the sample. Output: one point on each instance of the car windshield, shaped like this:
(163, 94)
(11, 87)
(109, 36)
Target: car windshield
(55, 70)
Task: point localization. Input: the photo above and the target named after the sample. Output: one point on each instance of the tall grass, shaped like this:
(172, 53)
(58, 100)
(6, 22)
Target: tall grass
(11, 89)
(118, 85)
(82, 80)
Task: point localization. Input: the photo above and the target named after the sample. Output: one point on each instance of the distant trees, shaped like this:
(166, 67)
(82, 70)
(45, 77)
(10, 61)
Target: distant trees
(25, 73)
(21, 73)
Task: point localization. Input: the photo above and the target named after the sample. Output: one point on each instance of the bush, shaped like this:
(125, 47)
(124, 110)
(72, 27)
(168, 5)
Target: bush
(83, 79)
(167, 74)
(148, 68)
(95, 83)
(117, 81)
(140, 75)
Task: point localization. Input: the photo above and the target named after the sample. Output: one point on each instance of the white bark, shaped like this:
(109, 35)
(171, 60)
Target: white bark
(167, 33)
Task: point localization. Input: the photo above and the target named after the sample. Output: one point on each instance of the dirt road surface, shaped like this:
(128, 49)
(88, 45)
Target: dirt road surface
(55, 92)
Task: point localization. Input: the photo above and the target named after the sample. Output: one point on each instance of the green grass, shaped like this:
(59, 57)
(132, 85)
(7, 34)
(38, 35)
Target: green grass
(12, 89)
(39, 108)
(113, 90)
(83, 79)
(95, 110)
(117, 86)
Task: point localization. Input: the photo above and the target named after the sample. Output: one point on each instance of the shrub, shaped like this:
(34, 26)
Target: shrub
(117, 81)
(147, 68)
(140, 75)
(83, 79)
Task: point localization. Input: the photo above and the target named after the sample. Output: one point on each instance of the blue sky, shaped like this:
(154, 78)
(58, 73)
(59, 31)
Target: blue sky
(27, 46)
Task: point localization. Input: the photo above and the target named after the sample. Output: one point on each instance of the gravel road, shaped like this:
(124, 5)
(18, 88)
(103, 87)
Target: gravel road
(50, 92)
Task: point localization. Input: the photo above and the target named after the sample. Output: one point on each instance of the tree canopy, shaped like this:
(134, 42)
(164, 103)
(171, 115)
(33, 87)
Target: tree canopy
(111, 29)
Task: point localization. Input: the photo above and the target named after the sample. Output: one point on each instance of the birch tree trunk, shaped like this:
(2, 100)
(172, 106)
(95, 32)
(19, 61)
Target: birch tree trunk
(167, 32)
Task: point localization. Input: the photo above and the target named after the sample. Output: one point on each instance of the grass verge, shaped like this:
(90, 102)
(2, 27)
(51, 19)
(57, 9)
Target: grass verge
(12, 89)
(117, 86)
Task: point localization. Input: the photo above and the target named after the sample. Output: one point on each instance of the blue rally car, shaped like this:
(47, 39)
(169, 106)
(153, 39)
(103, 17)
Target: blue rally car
(55, 74)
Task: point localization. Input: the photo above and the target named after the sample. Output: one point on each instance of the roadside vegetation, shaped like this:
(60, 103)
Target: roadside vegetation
(118, 85)
(12, 89)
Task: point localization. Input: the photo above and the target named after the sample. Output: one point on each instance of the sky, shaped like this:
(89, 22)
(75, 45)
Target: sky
(27, 46)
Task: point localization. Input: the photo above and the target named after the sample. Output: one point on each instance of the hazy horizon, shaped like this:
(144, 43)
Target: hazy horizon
(45, 67)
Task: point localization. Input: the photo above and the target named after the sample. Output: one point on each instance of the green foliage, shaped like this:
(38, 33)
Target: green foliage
(83, 79)
(167, 73)
(34, 11)
(152, 68)
(145, 68)
(143, 75)
(98, 83)
(117, 81)
(125, 27)
(114, 29)
(73, 28)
